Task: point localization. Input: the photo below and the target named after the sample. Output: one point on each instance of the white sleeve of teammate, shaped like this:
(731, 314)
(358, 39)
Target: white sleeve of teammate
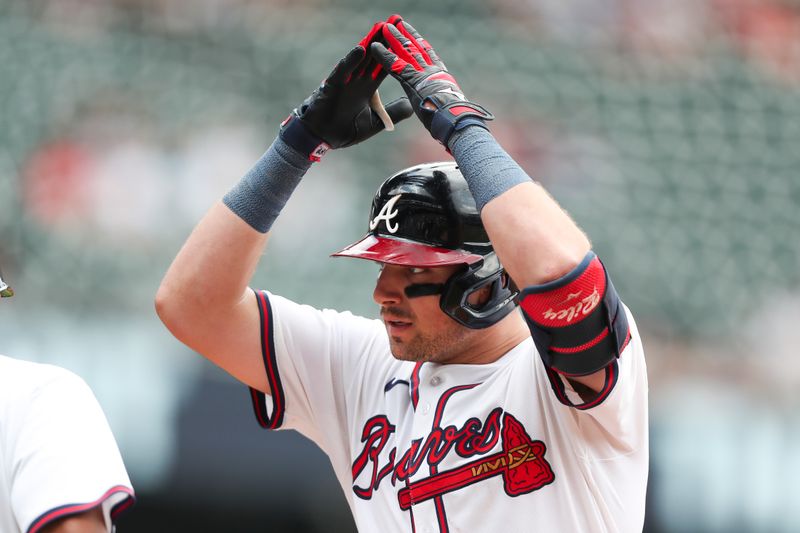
(317, 362)
(62, 455)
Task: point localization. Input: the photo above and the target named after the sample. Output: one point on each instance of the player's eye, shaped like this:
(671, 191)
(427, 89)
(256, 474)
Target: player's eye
(408, 270)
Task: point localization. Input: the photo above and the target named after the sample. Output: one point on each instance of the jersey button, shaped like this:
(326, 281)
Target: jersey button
(426, 408)
(435, 380)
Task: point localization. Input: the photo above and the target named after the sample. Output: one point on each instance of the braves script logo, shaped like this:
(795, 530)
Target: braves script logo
(387, 213)
(582, 307)
(520, 461)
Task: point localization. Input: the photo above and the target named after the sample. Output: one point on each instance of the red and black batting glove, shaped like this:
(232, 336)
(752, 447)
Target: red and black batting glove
(424, 77)
(338, 112)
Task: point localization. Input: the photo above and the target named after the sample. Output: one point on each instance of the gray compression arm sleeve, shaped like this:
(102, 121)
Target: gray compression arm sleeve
(488, 169)
(261, 194)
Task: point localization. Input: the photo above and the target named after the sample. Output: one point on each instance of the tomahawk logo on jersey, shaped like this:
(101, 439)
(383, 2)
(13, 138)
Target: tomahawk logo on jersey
(519, 460)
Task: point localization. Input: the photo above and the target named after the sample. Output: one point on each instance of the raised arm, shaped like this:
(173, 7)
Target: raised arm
(572, 310)
(204, 299)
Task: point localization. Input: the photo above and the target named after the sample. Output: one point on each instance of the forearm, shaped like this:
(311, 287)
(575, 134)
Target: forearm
(213, 269)
(534, 237)
(204, 299)
(219, 258)
(260, 195)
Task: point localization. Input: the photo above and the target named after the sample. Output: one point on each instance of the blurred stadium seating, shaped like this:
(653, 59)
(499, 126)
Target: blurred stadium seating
(668, 128)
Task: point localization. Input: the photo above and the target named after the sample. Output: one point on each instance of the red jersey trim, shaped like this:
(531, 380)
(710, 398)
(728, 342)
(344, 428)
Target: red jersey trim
(258, 398)
(612, 375)
(76, 508)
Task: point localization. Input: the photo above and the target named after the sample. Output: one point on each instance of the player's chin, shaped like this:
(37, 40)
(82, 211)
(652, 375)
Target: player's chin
(405, 351)
(397, 348)
(401, 350)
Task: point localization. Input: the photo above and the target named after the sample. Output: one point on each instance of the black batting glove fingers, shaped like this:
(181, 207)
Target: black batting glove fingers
(435, 95)
(308, 129)
(338, 112)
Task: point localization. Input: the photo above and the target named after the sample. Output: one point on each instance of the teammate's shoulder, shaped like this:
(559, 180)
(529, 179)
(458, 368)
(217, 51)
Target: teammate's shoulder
(28, 377)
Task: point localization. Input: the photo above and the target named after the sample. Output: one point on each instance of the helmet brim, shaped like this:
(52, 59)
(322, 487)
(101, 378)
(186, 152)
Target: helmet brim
(405, 252)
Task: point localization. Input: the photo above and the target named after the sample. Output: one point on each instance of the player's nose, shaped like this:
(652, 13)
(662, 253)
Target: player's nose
(389, 286)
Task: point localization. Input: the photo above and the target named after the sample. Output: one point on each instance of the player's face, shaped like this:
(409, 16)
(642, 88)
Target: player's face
(417, 327)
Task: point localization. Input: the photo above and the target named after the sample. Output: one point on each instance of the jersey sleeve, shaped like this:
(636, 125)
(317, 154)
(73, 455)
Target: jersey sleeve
(316, 361)
(64, 459)
(614, 421)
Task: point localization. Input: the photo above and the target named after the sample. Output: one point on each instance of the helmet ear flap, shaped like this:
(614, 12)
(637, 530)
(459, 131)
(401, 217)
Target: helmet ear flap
(461, 285)
(499, 288)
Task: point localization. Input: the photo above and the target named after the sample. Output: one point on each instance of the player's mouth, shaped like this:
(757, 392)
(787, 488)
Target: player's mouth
(396, 327)
(395, 323)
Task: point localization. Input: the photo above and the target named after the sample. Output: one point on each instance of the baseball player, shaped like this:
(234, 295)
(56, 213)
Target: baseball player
(60, 468)
(504, 387)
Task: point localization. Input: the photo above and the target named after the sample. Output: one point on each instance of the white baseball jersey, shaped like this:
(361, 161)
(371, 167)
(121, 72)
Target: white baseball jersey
(425, 447)
(57, 454)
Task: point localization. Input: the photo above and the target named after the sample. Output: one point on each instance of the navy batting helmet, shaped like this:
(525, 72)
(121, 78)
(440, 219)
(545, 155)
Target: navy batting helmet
(425, 216)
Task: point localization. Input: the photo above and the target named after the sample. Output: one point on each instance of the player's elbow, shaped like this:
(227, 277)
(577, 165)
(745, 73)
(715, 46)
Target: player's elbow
(176, 314)
(169, 307)
(188, 314)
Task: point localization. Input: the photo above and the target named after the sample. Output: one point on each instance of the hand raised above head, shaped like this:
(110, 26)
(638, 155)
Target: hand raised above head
(338, 113)
(435, 95)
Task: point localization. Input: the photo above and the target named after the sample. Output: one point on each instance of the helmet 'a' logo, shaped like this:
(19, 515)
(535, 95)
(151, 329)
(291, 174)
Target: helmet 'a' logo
(387, 213)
